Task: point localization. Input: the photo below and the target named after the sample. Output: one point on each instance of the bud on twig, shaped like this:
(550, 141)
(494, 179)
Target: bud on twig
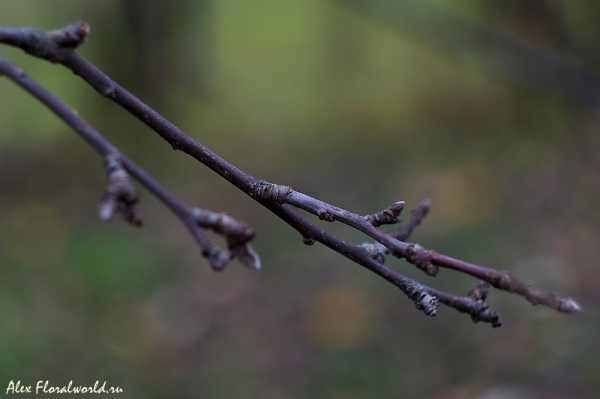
(120, 196)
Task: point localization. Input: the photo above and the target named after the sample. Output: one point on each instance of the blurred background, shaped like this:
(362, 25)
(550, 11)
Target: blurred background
(491, 109)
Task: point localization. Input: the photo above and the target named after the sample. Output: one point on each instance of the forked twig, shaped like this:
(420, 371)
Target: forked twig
(121, 196)
(58, 46)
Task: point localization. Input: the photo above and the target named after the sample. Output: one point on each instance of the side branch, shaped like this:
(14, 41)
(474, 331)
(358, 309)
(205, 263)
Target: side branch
(380, 252)
(40, 44)
(54, 46)
(506, 282)
(426, 299)
(286, 195)
(416, 217)
(473, 304)
(424, 259)
(121, 193)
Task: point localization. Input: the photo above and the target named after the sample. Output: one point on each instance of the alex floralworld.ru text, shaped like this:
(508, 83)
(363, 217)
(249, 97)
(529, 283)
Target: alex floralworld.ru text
(44, 387)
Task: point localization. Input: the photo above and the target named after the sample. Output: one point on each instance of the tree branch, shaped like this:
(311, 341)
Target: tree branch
(121, 193)
(424, 259)
(57, 46)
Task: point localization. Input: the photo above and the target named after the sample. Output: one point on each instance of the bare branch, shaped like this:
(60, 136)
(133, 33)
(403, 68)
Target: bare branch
(414, 253)
(425, 259)
(506, 282)
(120, 195)
(473, 304)
(274, 197)
(380, 252)
(54, 46)
(416, 217)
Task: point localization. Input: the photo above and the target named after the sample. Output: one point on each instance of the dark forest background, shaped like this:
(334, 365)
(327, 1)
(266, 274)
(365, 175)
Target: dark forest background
(491, 109)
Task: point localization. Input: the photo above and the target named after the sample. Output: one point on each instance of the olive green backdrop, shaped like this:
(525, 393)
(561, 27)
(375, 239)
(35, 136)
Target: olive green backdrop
(344, 101)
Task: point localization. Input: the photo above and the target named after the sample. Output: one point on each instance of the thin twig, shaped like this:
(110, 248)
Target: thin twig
(425, 259)
(414, 253)
(473, 304)
(417, 215)
(379, 252)
(114, 159)
(235, 231)
(237, 234)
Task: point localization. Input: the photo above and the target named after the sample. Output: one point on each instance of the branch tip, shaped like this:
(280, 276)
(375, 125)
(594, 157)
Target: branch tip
(55, 45)
(71, 36)
(107, 209)
(486, 316)
(569, 305)
(417, 215)
(425, 205)
(387, 216)
(247, 256)
(217, 258)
